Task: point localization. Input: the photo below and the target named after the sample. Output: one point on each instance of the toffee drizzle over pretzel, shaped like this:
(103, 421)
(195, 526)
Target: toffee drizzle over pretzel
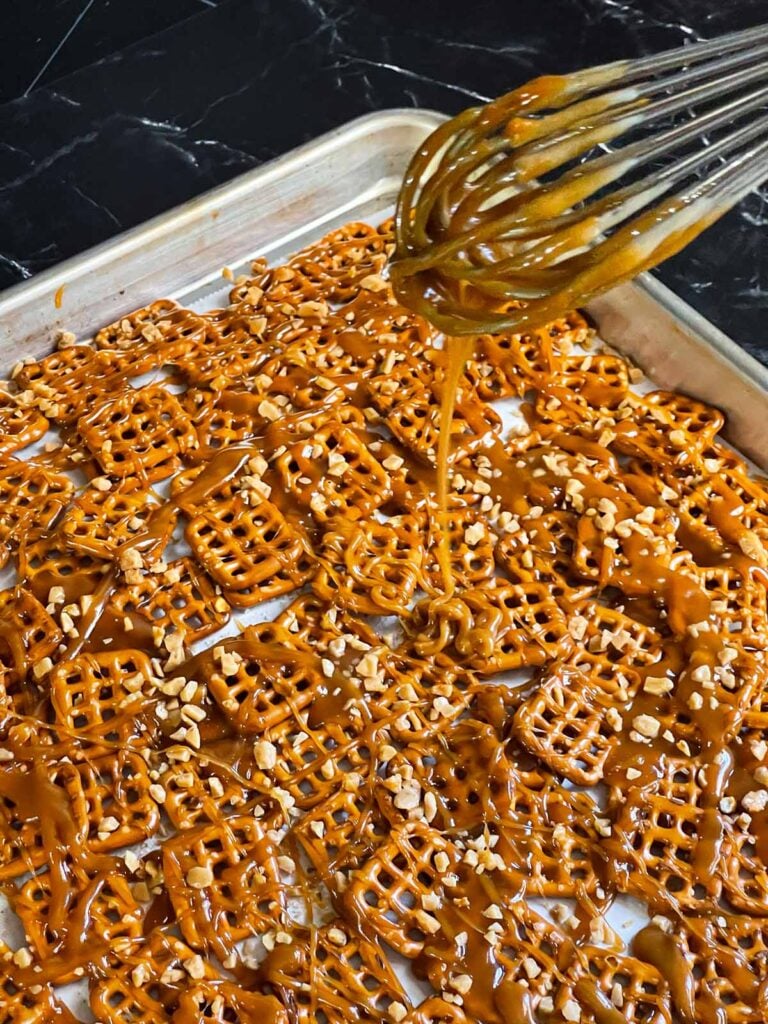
(308, 796)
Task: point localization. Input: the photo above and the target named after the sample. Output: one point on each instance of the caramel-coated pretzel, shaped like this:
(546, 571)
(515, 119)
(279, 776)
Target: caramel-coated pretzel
(153, 336)
(342, 830)
(495, 628)
(369, 567)
(342, 260)
(224, 1002)
(265, 680)
(99, 698)
(313, 760)
(525, 359)
(20, 423)
(70, 380)
(158, 964)
(28, 634)
(199, 794)
(663, 826)
(224, 882)
(420, 697)
(100, 523)
(179, 599)
(250, 550)
(113, 913)
(717, 954)
(387, 890)
(334, 974)
(566, 723)
(143, 432)
(31, 500)
(334, 474)
(23, 1006)
(49, 562)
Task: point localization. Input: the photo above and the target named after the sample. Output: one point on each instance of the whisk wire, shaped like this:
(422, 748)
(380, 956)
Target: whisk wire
(584, 179)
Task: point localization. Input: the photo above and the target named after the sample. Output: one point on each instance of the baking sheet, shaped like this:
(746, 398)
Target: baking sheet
(351, 174)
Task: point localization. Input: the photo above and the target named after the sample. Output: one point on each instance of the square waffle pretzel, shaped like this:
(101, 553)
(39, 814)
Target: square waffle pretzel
(224, 1002)
(549, 839)
(632, 987)
(313, 760)
(729, 511)
(415, 421)
(141, 432)
(649, 430)
(662, 825)
(100, 523)
(337, 349)
(564, 724)
(180, 599)
(158, 966)
(224, 882)
(419, 697)
(251, 550)
(336, 975)
(609, 559)
(744, 875)
(471, 549)
(342, 261)
(526, 961)
(68, 381)
(567, 721)
(266, 679)
(152, 336)
(48, 562)
(525, 359)
(102, 805)
(111, 801)
(98, 697)
(314, 624)
(113, 913)
(22, 848)
(218, 421)
(31, 500)
(28, 634)
(200, 794)
(21, 423)
(554, 536)
(232, 349)
(462, 766)
(496, 628)
(372, 568)
(740, 604)
(724, 959)
(342, 831)
(386, 891)
(584, 398)
(601, 381)
(334, 474)
(21, 1005)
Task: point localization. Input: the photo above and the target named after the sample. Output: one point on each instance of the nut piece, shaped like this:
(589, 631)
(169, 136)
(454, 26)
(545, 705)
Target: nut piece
(199, 877)
(265, 754)
(646, 725)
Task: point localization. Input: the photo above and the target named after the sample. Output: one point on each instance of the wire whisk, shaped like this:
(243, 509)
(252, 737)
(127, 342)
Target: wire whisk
(512, 213)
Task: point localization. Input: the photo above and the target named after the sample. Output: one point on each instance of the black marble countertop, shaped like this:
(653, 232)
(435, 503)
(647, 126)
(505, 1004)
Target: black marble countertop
(111, 112)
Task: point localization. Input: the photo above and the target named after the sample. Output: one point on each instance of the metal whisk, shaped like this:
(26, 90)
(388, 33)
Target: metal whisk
(514, 212)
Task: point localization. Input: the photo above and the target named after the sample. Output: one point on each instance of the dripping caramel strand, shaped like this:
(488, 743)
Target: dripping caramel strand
(202, 826)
